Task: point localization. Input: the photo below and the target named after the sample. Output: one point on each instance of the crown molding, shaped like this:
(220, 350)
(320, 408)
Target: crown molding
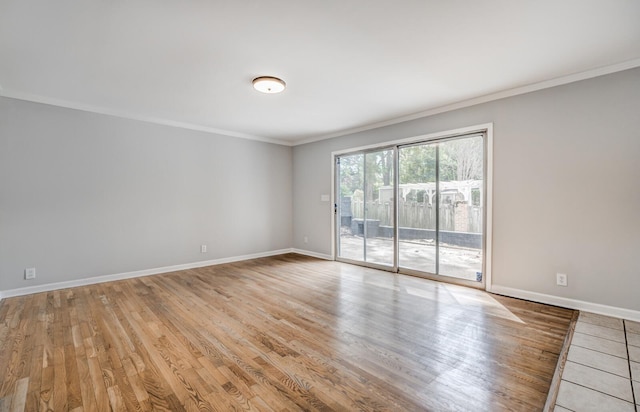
(558, 81)
(135, 116)
(571, 78)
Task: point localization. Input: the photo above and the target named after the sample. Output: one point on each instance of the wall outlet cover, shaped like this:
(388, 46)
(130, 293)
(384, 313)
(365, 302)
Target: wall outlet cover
(561, 279)
(30, 273)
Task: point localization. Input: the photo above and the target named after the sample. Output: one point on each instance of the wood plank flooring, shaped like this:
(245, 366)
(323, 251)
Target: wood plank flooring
(285, 333)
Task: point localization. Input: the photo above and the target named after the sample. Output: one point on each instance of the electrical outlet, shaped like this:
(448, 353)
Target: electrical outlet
(30, 273)
(203, 248)
(306, 239)
(562, 279)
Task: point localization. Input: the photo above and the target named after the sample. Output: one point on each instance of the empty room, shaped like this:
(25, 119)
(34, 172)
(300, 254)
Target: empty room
(336, 205)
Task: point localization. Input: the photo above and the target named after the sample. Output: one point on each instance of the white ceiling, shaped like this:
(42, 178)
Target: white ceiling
(348, 64)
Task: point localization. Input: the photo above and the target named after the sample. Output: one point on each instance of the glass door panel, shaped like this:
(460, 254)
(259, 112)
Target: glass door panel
(378, 225)
(461, 186)
(365, 207)
(350, 206)
(417, 248)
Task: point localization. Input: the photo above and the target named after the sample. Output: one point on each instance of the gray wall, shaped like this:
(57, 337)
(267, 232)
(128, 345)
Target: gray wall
(566, 186)
(84, 195)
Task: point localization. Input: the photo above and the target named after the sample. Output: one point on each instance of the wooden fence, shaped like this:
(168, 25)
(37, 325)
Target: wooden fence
(459, 217)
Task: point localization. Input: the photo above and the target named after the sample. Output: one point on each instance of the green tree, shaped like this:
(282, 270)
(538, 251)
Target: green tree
(417, 164)
(459, 159)
(351, 173)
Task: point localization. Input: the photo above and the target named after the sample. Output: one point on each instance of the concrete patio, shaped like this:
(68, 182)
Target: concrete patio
(456, 262)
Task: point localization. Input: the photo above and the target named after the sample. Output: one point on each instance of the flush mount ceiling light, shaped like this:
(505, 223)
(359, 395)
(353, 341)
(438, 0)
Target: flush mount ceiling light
(268, 84)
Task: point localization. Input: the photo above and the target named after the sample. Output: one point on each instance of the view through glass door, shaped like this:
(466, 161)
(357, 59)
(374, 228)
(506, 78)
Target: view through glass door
(439, 198)
(366, 207)
(440, 207)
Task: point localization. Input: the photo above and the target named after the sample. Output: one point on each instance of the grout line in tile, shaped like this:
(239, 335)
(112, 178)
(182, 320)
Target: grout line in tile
(606, 376)
(596, 390)
(598, 369)
(602, 337)
(635, 396)
(633, 393)
(599, 351)
(584, 320)
(636, 339)
(591, 393)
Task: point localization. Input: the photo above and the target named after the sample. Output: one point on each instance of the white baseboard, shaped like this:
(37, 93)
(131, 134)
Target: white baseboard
(312, 254)
(500, 290)
(136, 274)
(598, 308)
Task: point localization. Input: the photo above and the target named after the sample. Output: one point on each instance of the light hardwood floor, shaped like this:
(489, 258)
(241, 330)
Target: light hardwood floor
(284, 333)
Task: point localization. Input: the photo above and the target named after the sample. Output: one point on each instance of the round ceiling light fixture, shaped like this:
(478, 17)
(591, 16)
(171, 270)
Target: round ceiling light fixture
(268, 84)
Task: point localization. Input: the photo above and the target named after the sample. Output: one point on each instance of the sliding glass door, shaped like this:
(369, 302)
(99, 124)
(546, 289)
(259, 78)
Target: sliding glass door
(461, 189)
(440, 207)
(365, 207)
(415, 208)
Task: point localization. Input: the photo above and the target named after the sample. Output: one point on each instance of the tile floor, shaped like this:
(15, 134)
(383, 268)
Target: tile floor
(602, 372)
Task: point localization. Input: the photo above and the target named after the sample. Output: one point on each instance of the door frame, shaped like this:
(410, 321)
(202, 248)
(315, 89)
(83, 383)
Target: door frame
(487, 130)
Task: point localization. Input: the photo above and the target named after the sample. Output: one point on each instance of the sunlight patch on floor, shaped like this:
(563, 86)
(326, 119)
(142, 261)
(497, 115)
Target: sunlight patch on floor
(472, 298)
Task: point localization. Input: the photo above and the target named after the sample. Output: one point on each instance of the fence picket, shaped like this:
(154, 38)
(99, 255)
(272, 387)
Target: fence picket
(421, 215)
